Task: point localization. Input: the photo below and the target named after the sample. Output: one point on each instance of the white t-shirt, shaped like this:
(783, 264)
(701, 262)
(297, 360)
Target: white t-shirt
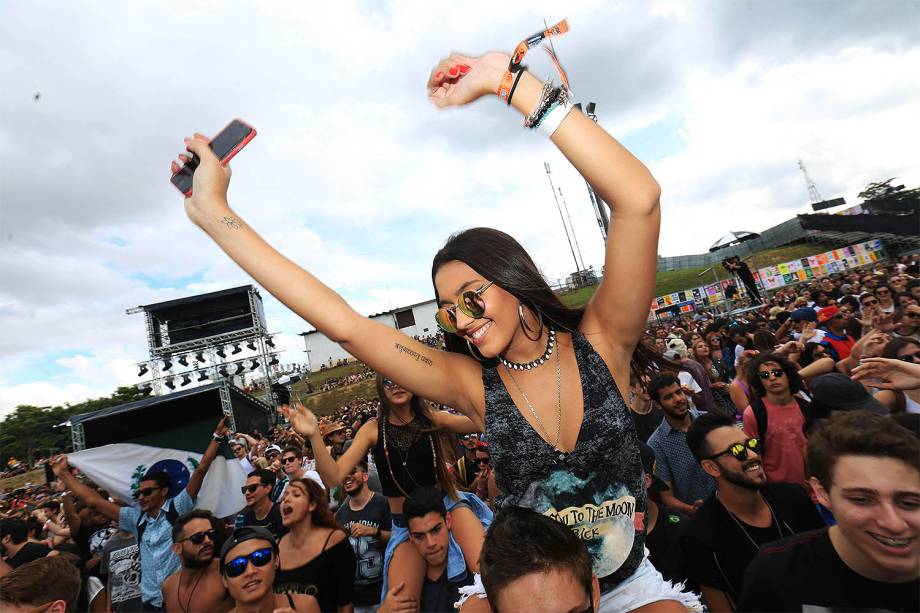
(687, 380)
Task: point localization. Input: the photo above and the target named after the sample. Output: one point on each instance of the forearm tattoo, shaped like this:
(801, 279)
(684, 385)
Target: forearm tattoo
(412, 353)
(232, 223)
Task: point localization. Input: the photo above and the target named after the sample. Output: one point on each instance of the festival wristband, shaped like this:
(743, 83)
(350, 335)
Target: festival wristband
(553, 118)
(514, 66)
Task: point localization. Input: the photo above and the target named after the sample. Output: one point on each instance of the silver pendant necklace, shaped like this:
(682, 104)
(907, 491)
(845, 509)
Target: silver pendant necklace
(740, 525)
(561, 454)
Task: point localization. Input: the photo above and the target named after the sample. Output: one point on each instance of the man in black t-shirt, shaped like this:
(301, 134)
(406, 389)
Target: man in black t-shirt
(865, 469)
(466, 468)
(365, 516)
(260, 510)
(744, 513)
(17, 550)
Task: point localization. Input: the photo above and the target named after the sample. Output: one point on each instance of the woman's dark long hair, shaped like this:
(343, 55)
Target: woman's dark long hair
(500, 258)
(422, 410)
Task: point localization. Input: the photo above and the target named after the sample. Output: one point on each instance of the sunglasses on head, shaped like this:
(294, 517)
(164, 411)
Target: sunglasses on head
(251, 489)
(740, 450)
(766, 374)
(198, 537)
(145, 492)
(470, 302)
(237, 566)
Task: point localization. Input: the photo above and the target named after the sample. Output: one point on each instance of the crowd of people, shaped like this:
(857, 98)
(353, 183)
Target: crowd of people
(590, 461)
(769, 441)
(336, 382)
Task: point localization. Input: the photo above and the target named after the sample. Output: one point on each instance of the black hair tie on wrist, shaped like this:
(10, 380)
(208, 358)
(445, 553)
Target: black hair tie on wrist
(520, 72)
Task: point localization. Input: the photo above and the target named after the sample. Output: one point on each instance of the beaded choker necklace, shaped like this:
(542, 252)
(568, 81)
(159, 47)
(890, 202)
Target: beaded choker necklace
(550, 345)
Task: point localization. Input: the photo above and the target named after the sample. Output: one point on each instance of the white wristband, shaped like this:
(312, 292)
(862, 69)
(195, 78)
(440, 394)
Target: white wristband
(554, 117)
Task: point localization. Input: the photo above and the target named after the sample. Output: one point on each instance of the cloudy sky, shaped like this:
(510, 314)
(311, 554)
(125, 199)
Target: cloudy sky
(359, 179)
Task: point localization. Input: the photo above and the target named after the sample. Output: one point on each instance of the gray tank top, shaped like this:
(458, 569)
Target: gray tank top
(598, 489)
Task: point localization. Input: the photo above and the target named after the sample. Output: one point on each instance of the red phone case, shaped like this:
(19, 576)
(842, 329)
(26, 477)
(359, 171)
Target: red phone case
(226, 159)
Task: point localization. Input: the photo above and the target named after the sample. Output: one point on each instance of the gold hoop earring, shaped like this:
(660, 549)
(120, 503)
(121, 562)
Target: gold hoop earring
(473, 351)
(524, 325)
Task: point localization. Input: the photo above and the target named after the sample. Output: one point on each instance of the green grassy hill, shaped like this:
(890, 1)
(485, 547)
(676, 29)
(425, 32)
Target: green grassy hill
(676, 280)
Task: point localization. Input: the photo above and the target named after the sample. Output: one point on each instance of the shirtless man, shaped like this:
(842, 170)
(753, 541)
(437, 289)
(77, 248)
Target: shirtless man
(197, 586)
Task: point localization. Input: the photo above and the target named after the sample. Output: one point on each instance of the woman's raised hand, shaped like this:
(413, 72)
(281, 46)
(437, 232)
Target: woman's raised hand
(302, 419)
(461, 79)
(209, 184)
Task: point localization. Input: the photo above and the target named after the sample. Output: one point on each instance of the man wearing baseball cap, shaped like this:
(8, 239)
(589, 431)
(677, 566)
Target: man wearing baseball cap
(248, 561)
(836, 340)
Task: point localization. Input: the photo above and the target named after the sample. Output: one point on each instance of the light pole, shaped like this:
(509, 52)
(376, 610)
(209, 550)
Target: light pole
(603, 221)
(561, 218)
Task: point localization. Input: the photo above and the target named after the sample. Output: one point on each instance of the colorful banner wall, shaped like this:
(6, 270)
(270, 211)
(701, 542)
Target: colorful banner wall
(775, 277)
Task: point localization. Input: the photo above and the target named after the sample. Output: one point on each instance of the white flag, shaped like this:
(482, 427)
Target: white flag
(119, 467)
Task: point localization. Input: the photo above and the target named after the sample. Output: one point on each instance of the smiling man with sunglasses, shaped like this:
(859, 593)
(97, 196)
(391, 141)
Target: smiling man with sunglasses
(838, 343)
(743, 514)
(197, 536)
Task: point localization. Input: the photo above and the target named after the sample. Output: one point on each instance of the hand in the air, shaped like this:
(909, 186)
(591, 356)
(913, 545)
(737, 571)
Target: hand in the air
(888, 374)
(209, 184)
(460, 79)
(59, 465)
(302, 419)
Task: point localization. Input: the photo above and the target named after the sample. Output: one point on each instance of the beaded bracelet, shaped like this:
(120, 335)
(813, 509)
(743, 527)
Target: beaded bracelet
(552, 119)
(546, 99)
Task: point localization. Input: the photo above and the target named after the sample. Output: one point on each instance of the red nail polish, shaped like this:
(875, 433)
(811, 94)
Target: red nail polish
(454, 71)
(438, 74)
(464, 68)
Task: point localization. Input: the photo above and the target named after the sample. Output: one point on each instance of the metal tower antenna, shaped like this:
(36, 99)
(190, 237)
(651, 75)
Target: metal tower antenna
(561, 218)
(812, 188)
(574, 236)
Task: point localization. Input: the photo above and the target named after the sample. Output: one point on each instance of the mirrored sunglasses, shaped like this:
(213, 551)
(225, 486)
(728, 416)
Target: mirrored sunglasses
(470, 303)
(740, 450)
(237, 566)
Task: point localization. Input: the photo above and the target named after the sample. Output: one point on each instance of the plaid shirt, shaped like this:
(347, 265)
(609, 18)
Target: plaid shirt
(157, 558)
(676, 464)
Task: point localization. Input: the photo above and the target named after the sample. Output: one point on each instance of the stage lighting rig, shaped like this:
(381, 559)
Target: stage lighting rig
(143, 370)
(270, 342)
(274, 361)
(183, 360)
(223, 371)
(251, 346)
(199, 357)
(170, 384)
(240, 367)
(222, 353)
(185, 380)
(203, 376)
(254, 365)
(236, 349)
(167, 364)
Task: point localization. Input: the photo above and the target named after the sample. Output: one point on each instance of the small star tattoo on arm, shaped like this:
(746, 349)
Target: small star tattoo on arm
(231, 223)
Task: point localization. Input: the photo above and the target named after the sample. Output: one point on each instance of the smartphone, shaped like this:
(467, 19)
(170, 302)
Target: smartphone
(49, 474)
(225, 145)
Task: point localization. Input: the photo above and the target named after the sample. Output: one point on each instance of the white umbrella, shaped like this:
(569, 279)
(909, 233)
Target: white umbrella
(733, 238)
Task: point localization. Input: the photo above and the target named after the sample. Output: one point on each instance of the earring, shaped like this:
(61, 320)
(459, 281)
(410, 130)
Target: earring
(472, 351)
(524, 325)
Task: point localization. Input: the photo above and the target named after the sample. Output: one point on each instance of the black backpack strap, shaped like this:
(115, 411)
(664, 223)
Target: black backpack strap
(760, 416)
(169, 512)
